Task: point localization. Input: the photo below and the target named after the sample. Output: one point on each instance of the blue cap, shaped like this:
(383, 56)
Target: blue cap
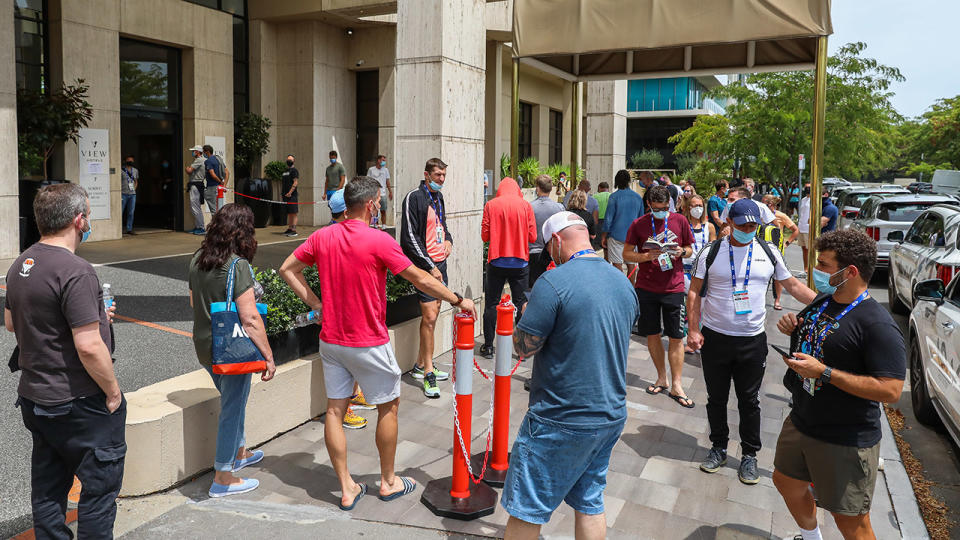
(744, 211)
(336, 202)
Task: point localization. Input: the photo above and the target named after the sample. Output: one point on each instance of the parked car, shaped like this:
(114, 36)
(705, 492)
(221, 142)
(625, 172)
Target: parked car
(928, 250)
(839, 190)
(920, 187)
(884, 213)
(932, 354)
(849, 203)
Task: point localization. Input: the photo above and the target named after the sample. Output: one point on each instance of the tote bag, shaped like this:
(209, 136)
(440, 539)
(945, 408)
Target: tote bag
(234, 353)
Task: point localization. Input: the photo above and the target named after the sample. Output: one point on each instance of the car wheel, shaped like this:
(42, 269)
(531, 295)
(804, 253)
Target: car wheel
(919, 394)
(896, 305)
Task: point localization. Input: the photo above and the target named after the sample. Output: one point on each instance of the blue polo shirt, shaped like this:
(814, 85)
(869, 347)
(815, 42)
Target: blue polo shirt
(213, 164)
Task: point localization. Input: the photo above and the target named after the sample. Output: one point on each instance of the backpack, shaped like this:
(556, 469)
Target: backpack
(772, 235)
(712, 255)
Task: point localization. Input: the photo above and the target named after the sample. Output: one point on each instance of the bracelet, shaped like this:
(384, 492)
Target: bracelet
(459, 300)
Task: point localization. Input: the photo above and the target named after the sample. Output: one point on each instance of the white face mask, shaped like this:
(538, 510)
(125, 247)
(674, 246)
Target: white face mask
(696, 212)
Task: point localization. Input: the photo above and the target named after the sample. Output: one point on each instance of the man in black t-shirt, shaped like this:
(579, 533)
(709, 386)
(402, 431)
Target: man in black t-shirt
(290, 179)
(848, 358)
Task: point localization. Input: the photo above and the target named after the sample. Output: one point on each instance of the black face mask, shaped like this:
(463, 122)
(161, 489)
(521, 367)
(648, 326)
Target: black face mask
(289, 163)
(129, 164)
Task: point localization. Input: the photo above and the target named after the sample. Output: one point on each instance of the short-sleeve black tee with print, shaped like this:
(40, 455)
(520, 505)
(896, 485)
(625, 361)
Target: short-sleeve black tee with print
(51, 291)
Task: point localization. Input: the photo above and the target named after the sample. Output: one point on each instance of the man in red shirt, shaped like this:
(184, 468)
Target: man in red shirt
(510, 226)
(354, 344)
(660, 287)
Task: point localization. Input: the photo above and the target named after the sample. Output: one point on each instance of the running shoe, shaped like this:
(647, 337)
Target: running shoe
(360, 402)
(715, 459)
(291, 234)
(430, 386)
(352, 420)
(417, 373)
(486, 351)
(748, 470)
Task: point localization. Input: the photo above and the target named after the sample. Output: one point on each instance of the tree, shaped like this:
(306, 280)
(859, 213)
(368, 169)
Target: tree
(770, 119)
(142, 85)
(251, 140)
(648, 158)
(45, 120)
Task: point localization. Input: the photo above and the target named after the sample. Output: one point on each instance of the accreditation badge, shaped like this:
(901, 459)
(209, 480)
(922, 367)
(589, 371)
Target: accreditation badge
(810, 385)
(741, 302)
(666, 263)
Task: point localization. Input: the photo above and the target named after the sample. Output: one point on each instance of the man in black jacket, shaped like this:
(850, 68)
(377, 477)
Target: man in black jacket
(427, 242)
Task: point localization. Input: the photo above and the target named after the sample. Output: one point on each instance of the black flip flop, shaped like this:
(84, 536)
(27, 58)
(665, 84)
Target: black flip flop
(678, 398)
(656, 389)
(408, 487)
(363, 491)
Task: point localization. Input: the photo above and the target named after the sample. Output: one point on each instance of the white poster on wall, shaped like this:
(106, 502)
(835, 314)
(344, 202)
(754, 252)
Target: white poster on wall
(219, 145)
(94, 149)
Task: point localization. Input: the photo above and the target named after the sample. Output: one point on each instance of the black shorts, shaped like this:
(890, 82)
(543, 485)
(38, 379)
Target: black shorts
(654, 306)
(426, 298)
(292, 208)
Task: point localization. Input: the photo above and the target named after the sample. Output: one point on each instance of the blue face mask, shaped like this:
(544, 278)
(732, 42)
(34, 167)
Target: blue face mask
(742, 237)
(435, 186)
(333, 160)
(660, 214)
(383, 163)
(86, 233)
(821, 280)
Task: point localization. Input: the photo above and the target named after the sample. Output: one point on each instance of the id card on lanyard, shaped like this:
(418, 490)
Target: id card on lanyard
(664, 260)
(741, 298)
(813, 342)
(438, 211)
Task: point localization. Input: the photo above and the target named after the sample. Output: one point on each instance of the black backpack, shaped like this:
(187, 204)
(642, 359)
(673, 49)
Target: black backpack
(712, 254)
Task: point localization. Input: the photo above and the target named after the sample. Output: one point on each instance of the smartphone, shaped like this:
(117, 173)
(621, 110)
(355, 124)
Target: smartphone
(781, 350)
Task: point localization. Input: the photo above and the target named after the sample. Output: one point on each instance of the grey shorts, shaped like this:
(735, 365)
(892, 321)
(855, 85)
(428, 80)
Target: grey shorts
(614, 250)
(374, 368)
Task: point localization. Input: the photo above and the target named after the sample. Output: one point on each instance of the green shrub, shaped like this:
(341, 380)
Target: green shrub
(504, 165)
(648, 158)
(274, 170)
(685, 162)
(704, 174)
(398, 287)
(283, 305)
(529, 170)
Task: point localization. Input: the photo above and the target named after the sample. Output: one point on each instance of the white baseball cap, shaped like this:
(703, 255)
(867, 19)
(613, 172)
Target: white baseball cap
(559, 222)
(196, 148)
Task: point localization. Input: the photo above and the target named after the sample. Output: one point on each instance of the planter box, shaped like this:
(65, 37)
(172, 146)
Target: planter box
(404, 309)
(296, 343)
(259, 188)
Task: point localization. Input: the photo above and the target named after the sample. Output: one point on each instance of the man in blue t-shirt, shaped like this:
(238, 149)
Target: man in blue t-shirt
(217, 174)
(623, 207)
(715, 205)
(828, 214)
(578, 402)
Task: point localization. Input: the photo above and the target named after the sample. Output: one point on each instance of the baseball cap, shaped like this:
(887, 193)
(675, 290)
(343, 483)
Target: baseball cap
(559, 222)
(196, 148)
(336, 202)
(744, 211)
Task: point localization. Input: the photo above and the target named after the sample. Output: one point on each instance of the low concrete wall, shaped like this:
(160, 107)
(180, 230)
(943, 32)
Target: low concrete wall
(172, 425)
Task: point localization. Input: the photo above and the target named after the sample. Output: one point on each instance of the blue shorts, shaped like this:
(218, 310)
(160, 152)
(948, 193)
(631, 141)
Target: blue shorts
(552, 462)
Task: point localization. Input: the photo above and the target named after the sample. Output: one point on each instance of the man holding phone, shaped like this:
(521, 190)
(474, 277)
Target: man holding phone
(732, 341)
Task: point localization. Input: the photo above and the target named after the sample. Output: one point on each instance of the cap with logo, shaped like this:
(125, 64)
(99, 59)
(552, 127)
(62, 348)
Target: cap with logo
(559, 222)
(745, 211)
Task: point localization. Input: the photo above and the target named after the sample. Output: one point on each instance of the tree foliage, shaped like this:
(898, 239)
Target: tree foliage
(770, 120)
(251, 140)
(46, 119)
(931, 141)
(143, 85)
(648, 158)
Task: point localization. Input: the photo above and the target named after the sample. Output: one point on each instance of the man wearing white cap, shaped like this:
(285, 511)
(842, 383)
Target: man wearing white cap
(195, 188)
(578, 390)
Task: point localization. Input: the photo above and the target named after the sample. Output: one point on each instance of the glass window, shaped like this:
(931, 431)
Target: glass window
(556, 137)
(526, 130)
(913, 235)
(208, 3)
(29, 31)
(237, 7)
(902, 212)
(149, 76)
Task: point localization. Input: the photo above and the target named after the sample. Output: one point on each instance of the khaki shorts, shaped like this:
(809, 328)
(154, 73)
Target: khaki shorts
(614, 250)
(843, 477)
(803, 239)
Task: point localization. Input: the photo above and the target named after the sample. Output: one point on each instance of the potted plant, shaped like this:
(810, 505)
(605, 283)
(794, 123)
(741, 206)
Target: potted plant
(283, 306)
(252, 139)
(273, 171)
(402, 301)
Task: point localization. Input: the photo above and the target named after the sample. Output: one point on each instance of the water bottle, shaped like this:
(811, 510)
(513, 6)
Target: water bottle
(107, 296)
(310, 317)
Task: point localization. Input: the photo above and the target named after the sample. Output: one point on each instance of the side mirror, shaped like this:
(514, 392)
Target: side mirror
(930, 290)
(895, 236)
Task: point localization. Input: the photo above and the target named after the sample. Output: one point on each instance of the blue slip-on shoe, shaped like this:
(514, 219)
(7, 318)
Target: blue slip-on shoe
(220, 490)
(257, 457)
(409, 485)
(363, 491)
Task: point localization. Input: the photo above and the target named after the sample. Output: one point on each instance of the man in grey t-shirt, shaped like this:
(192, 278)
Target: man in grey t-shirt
(68, 394)
(543, 208)
(195, 188)
(129, 179)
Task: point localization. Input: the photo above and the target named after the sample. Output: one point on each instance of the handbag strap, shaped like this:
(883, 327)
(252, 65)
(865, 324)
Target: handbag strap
(230, 275)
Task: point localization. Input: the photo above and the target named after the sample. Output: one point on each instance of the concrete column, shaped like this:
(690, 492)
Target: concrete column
(443, 72)
(495, 130)
(541, 134)
(9, 200)
(606, 129)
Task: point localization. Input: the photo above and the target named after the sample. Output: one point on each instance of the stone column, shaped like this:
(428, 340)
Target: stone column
(606, 130)
(496, 130)
(9, 187)
(442, 73)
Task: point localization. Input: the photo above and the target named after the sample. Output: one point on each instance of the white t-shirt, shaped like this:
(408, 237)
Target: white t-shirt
(381, 175)
(803, 222)
(765, 214)
(716, 308)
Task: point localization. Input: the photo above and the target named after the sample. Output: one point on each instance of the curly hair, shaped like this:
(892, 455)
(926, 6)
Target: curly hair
(229, 232)
(578, 200)
(658, 194)
(851, 248)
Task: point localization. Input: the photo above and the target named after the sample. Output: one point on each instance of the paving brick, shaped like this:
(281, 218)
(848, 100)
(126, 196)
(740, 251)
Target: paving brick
(649, 523)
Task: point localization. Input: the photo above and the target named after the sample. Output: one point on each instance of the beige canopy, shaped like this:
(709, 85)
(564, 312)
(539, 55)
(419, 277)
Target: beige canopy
(636, 39)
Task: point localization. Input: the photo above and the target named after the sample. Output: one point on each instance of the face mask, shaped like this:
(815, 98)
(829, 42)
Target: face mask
(129, 164)
(289, 163)
(742, 237)
(660, 214)
(165, 165)
(435, 186)
(383, 163)
(86, 234)
(697, 212)
(333, 160)
(821, 280)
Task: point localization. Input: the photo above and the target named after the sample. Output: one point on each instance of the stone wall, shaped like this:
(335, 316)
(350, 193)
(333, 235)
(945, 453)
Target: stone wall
(9, 188)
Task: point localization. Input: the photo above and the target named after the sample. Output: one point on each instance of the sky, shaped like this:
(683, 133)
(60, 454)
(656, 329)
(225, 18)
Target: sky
(919, 37)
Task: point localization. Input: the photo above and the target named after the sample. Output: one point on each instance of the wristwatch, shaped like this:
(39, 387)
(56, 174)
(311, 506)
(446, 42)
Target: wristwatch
(459, 300)
(825, 376)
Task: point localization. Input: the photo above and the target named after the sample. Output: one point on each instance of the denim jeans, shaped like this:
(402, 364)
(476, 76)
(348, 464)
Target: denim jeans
(129, 205)
(234, 390)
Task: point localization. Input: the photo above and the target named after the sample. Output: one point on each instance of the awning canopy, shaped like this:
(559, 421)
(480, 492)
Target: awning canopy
(643, 39)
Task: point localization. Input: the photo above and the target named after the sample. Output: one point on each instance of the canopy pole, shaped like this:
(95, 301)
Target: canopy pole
(515, 120)
(572, 180)
(816, 160)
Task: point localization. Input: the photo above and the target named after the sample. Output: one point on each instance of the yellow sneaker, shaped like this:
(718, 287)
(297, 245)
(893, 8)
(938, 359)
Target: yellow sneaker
(360, 402)
(352, 420)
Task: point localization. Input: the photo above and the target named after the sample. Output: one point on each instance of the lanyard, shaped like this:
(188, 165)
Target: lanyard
(733, 269)
(703, 232)
(818, 343)
(435, 204)
(653, 226)
(581, 253)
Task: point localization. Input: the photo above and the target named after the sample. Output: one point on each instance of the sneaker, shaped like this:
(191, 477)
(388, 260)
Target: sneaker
(291, 234)
(715, 459)
(430, 386)
(199, 232)
(257, 457)
(220, 490)
(748, 470)
(486, 351)
(360, 402)
(352, 420)
(417, 373)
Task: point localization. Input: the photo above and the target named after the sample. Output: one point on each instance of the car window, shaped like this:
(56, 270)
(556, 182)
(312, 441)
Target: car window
(913, 235)
(953, 291)
(903, 212)
(931, 233)
(866, 211)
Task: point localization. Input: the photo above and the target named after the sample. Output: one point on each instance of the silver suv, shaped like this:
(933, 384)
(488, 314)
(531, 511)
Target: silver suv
(928, 250)
(882, 214)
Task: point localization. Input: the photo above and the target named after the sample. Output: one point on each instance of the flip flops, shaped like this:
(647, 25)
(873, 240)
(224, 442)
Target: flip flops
(680, 400)
(363, 491)
(656, 389)
(408, 487)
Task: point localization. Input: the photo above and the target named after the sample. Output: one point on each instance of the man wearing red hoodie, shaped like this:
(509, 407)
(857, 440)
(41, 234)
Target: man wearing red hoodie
(509, 226)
